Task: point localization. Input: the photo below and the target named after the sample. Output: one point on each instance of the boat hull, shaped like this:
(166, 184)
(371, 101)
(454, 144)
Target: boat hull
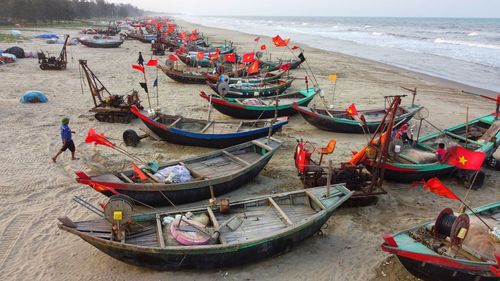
(233, 255)
(213, 141)
(340, 125)
(97, 45)
(431, 272)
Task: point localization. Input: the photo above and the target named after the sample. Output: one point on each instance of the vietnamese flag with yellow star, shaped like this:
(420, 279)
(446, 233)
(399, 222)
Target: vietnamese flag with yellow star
(465, 159)
(351, 110)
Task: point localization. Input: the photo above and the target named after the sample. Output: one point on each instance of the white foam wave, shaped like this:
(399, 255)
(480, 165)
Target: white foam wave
(473, 34)
(466, 43)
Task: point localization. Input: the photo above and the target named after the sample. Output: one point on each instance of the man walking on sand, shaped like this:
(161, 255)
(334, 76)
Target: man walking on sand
(140, 60)
(67, 140)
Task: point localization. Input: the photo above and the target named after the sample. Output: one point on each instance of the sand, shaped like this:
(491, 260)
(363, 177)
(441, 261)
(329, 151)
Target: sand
(34, 191)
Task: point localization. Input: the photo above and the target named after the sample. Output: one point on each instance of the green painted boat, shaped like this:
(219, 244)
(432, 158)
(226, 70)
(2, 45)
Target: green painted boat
(265, 107)
(244, 232)
(418, 162)
(251, 89)
(426, 253)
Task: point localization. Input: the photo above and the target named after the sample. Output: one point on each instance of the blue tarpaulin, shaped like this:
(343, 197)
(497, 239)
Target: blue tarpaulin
(34, 97)
(46, 35)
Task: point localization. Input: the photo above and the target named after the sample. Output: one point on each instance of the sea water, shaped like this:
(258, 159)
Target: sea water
(459, 49)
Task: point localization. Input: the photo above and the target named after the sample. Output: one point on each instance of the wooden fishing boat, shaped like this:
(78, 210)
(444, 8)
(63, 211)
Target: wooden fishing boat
(431, 255)
(186, 77)
(100, 42)
(418, 162)
(217, 134)
(261, 107)
(267, 77)
(340, 121)
(250, 90)
(224, 170)
(250, 230)
(144, 38)
(275, 65)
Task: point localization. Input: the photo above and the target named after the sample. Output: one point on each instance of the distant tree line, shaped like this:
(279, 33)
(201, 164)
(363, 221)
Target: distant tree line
(45, 11)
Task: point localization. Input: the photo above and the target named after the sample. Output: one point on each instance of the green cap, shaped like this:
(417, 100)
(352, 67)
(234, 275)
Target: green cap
(65, 121)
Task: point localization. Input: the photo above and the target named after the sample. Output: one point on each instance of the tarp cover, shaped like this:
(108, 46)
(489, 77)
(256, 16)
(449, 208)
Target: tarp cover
(46, 35)
(16, 51)
(34, 97)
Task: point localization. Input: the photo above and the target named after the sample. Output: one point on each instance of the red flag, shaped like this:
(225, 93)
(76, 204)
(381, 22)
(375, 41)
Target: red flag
(200, 55)
(138, 67)
(230, 57)
(279, 42)
(286, 66)
(295, 47)
(257, 39)
(193, 37)
(172, 57)
(92, 137)
(434, 185)
(194, 31)
(263, 47)
(139, 173)
(180, 50)
(465, 159)
(159, 26)
(248, 57)
(254, 67)
(213, 56)
(183, 34)
(351, 110)
(152, 63)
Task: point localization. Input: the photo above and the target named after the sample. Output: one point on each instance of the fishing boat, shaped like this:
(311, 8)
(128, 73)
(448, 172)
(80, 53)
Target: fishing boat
(217, 134)
(438, 251)
(100, 42)
(219, 171)
(257, 108)
(183, 76)
(207, 237)
(340, 121)
(248, 90)
(266, 78)
(144, 38)
(419, 162)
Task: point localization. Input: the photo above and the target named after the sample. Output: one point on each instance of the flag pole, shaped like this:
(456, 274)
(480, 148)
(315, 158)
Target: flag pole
(157, 86)
(146, 86)
(467, 127)
(462, 209)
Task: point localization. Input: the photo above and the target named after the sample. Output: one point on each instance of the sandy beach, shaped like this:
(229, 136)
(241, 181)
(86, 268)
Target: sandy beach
(34, 191)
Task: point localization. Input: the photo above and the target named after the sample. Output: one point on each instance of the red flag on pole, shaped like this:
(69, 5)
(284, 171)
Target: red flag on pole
(351, 110)
(230, 57)
(263, 47)
(286, 66)
(434, 185)
(465, 159)
(139, 173)
(152, 63)
(257, 39)
(248, 57)
(138, 67)
(93, 137)
(295, 47)
(214, 56)
(194, 31)
(172, 57)
(254, 67)
(279, 42)
(200, 55)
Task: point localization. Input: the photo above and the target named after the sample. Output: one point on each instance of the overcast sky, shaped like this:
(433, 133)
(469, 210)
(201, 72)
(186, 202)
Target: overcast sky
(377, 8)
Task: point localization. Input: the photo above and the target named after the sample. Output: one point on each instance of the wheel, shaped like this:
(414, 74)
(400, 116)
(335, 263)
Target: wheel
(131, 138)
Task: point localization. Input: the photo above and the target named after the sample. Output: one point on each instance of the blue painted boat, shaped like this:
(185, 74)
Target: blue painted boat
(216, 134)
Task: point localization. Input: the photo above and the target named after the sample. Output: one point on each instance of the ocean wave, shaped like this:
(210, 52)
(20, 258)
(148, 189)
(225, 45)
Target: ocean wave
(473, 34)
(466, 43)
